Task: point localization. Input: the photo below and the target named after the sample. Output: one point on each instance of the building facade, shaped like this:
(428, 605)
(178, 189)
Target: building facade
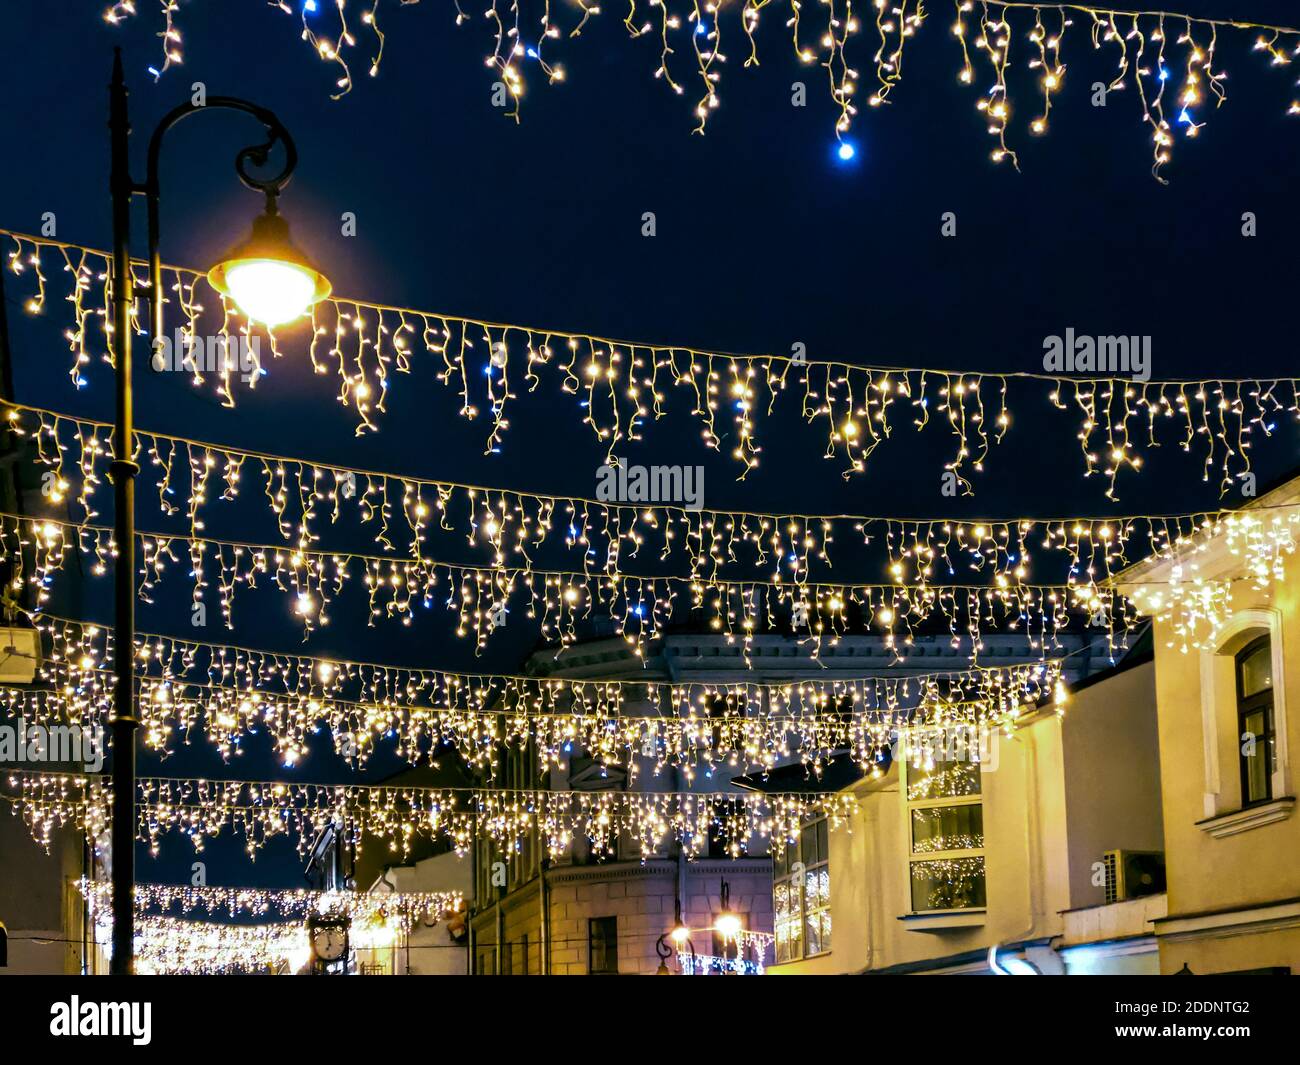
(1006, 859)
(1228, 699)
(582, 913)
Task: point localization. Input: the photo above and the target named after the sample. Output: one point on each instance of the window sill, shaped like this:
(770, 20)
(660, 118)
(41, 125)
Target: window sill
(943, 920)
(1264, 813)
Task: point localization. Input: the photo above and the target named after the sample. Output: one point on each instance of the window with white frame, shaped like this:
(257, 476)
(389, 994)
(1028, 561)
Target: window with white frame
(801, 895)
(1244, 721)
(1254, 669)
(945, 835)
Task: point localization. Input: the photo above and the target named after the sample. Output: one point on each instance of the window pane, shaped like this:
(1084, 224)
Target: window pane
(603, 944)
(809, 845)
(814, 940)
(943, 780)
(949, 884)
(1255, 782)
(781, 899)
(947, 828)
(826, 930)
(1257, 671)
(782, 943)
(822, 844)
(823, 887)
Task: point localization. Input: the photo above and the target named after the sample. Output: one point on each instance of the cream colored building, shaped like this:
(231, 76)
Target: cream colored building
(1229, 716)
(1004, 864)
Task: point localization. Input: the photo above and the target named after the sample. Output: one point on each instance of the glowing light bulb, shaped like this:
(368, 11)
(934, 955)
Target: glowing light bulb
(271, 292)
(728, 925)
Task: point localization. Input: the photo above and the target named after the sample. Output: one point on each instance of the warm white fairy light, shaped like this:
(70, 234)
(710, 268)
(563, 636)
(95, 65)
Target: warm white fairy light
(1143, 44)
(1195, 604)
(618, 386)
(195, 478)
(260, 811)
(404, 908)
(227, 692)
(167, 946)
(557, 602)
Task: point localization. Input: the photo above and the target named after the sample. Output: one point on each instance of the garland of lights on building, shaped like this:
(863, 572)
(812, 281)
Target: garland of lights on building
(229, 693)
(617, 386)
(1169, 57)
(396, 816)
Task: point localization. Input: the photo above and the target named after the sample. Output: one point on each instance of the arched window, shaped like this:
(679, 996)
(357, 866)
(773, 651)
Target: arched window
(1255, 730)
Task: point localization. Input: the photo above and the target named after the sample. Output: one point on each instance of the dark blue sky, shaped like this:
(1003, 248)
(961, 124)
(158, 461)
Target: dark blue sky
(764, 239)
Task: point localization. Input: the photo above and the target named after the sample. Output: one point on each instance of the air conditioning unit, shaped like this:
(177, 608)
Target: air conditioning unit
(20, 654)
(1132, 874)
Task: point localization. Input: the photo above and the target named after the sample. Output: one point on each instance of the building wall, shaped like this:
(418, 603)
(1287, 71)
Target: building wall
(1251, 870)
(1111, 744)
(1060, 791)
(640, 895)
(42, 908)
(865, 871)
(432, 951)
(1024, 865)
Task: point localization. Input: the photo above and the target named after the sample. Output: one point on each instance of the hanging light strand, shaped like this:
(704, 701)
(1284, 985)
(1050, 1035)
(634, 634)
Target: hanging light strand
(559, 602)
(231, 692)
(407, 908)
(1136, 40)
(193, 480)
(397, 816)
(615, 387)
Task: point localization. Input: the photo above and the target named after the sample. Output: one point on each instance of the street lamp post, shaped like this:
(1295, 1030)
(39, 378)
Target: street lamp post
(272, 282)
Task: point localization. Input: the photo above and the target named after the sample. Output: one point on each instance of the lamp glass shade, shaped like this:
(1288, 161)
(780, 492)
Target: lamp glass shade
(728, 925)
(268, 277)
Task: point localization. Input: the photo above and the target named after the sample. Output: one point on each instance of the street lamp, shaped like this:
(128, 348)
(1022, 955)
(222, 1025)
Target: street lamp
(676, 941)
(269, 279)
(727, 923)
(272, 282)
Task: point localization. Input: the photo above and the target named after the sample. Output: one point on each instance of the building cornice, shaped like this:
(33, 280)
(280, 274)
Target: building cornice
(1245, 921)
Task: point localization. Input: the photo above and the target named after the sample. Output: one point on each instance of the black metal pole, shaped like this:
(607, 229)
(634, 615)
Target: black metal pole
(123, 470)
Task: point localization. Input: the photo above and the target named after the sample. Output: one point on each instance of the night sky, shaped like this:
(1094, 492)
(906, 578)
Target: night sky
(764, 238)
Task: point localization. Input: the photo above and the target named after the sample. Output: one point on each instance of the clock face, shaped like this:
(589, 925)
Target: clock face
(329, 943)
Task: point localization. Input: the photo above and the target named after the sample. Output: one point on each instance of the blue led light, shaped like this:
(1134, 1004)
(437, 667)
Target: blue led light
(846, 151)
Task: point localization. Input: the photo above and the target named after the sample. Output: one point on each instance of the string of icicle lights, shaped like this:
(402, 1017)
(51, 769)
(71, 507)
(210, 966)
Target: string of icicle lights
(192, 480)
(483, 598)
(396, 816)
(401, 908)
(557, 603)
(166, 946)
(172, 946)
(615, 387)
(1169, 57)
(228, 693)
